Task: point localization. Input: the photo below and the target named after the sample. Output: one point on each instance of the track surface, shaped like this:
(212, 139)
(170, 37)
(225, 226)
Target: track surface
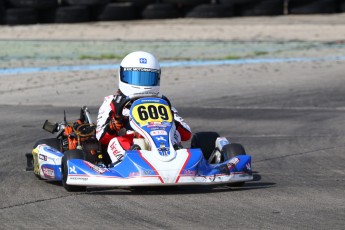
(290, 117)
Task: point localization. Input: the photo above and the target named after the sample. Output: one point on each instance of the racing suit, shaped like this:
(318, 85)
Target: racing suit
(107, 132)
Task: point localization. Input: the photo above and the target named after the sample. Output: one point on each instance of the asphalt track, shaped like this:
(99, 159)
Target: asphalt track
(289, 116)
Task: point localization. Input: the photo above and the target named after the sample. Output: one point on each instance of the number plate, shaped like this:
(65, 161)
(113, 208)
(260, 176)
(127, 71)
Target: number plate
(149, 112)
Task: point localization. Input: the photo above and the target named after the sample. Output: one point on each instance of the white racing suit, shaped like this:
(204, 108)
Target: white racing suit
(117, 145)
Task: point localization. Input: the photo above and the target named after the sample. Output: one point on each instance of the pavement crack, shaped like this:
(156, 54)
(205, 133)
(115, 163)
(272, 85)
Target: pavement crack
(297, 154)
(39, 201)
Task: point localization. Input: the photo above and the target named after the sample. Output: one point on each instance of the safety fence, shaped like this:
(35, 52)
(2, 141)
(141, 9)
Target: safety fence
(20, 12)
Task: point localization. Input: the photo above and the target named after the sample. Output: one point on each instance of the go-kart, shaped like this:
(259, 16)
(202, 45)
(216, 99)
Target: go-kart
(76, 158)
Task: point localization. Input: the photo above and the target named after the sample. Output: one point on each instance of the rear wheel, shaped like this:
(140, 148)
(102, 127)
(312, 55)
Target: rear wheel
(69, 155)
(206, 141)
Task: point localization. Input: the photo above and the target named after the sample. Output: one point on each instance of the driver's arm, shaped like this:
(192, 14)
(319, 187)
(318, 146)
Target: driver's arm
(105, 124)
(181, 126)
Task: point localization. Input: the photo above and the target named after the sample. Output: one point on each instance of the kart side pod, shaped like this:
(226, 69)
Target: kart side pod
(46, 162)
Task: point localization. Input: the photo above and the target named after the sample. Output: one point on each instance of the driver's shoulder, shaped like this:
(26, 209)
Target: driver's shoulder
(108, 98)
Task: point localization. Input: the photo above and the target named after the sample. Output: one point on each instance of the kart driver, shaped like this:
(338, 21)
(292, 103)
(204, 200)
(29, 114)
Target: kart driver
(139, 74)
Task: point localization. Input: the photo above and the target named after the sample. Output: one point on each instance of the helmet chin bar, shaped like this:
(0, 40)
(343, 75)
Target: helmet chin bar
(128, 89)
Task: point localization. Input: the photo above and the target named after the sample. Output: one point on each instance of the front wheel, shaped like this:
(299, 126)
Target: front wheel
(51, 142)
(230, 151)
(69, 155)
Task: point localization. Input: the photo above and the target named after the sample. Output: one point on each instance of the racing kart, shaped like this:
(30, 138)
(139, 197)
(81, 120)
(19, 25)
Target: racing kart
(76, 158)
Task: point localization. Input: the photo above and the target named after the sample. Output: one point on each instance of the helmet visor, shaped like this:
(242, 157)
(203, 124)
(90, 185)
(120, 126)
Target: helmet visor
(140, 76)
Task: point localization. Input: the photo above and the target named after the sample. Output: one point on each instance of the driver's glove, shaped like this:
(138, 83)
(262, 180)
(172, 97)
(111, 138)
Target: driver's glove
(116, 123)
(118, 104)
(117, 120)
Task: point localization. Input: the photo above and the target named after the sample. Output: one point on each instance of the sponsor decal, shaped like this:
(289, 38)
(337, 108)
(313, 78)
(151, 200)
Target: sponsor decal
(161, 138)
(143, 60)
(114, 149)
(52, 150)
(141, 69)
(155, 123)
(150, 100)
(134, 174)
(48, 172)
(154, 128)
(148, 172)
(144, 93)
(248, 167)
(72, 170)
(157, 126)
(232, 163)
(188, 172)
(43, 157)
(142, 173)
(158, 132)
(167, 123)
(79, 178)
(163, 150)
(95, 168)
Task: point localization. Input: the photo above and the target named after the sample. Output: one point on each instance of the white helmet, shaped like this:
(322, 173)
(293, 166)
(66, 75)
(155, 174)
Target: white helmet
(139, 74)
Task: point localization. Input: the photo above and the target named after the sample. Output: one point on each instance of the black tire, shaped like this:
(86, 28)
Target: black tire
(231, 150)
(210, 11)
(87, 2)
(2, 12)
(20, 16)
(71, 14)
(342, 6)
(116, 11)
(68, 155)
(312, 6)
(141, 3)
(37, 4)
(46, 15)
(160, 11)
(261, 8)
(206, 141)
(235, 2)
(52, 142)
(187, 2)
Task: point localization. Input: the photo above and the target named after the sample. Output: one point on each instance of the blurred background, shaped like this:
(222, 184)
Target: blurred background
(20, 12)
